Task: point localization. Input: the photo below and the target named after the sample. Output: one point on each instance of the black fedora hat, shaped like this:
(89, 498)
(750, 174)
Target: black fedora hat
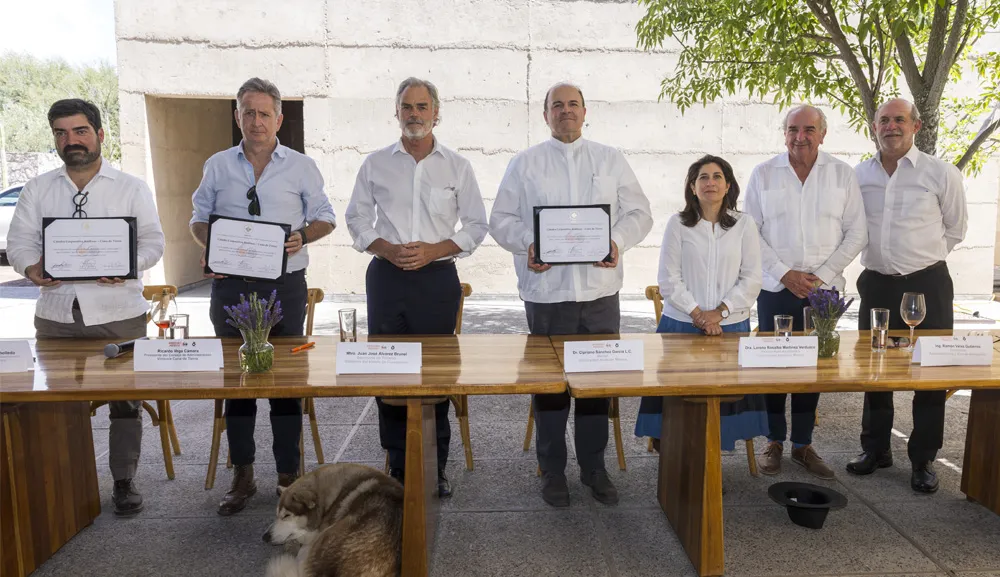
(807, 504)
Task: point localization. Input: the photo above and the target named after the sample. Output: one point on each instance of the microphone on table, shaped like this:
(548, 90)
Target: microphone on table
(113, 350)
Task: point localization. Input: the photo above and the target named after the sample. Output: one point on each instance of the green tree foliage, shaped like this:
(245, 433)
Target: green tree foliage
(851, 53)
(28, 86)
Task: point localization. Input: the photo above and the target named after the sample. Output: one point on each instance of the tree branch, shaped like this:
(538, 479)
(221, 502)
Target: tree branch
(909, 65)
(948, 57)
(823, 12)
(981, 138)
(935, 43)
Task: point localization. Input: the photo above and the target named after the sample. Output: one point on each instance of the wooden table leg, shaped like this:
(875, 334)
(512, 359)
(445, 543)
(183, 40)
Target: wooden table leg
(420, 501)
(981, 469)
(48, 481)
(689, 486)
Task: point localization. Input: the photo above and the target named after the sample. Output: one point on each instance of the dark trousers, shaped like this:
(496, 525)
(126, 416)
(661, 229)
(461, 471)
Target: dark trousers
(601, 316)
(884, 291)
(420, 302)
(803, 404)
(241, 414)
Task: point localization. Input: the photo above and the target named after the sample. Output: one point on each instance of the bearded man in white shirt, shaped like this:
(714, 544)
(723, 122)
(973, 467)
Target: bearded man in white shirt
(916, 211)
(407, 200)
(808, 208)
(576, 298)
(109, 309)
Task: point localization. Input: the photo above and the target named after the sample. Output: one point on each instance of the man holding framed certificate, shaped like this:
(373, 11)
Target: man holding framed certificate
(567, 209)
(83, 233)
(258, 205)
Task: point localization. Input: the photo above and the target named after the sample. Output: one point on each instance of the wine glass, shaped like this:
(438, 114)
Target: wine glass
(161, 307)
(913, 309)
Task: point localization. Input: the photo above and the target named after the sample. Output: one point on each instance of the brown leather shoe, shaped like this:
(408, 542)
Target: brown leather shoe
(285, 480)
(771, 461)
(242, 489)
(807, 457)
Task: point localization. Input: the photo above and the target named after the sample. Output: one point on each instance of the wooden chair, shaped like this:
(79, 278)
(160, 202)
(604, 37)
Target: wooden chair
(161, 417)
(313, 297)
(653, 294)
(461, 402)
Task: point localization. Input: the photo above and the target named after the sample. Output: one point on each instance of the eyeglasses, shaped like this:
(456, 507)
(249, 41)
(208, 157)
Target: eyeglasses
(254, 208)
(80, 199)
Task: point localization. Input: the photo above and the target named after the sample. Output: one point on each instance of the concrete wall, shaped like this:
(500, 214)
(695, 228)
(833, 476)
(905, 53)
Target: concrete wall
(183, 133)
(492, 61)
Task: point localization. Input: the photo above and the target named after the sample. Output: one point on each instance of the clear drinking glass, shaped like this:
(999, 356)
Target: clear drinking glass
(807, 321)
(179, 327)
(348, 325)
(913, 309)
(783, 325)
(880, 330)
(161, 308)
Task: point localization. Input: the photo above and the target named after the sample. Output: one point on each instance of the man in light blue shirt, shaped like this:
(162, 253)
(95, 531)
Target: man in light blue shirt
(262, 180)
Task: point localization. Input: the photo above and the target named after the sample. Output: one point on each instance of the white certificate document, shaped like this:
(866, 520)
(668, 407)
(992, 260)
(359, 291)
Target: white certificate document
(572, 234)
(246, 248)
(88, 248)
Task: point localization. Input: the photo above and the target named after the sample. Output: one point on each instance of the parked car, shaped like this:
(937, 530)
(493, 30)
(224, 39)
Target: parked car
(8, 200)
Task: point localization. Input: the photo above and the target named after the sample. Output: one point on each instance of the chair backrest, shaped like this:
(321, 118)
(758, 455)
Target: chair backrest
(149, 291)
(653, 294)
(314, 296)
(466, 291)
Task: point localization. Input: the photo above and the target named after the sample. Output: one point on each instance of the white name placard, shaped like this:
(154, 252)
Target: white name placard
(165, 355)
(379, 358)
(596, 356)
(778, 352)
(953, 351)
(16, 357)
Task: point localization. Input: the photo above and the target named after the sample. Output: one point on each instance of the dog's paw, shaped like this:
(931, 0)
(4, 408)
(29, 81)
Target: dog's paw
(283, 566)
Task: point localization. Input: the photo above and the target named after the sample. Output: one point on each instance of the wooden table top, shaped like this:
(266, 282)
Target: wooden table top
(696, 365)
(72, 369)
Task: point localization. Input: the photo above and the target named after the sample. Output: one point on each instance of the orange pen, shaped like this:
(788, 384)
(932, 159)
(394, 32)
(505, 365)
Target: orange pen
(304, 347)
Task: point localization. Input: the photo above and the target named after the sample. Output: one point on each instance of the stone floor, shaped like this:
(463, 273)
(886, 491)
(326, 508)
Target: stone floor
(497, 525)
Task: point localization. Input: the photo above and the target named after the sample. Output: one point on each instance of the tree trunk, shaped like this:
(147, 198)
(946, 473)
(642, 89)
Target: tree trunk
(926, 137)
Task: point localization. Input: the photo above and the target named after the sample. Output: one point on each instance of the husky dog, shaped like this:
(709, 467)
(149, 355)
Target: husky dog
(344, 519)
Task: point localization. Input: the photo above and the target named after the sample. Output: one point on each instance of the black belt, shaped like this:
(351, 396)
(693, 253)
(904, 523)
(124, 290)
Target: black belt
(432, 264)
(279, 280)
(936, 265)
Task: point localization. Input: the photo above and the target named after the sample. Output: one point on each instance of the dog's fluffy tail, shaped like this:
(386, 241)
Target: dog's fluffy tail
(283, 566)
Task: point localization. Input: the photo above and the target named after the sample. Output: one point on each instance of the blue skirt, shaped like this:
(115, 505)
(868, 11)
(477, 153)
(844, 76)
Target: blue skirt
(741, 420)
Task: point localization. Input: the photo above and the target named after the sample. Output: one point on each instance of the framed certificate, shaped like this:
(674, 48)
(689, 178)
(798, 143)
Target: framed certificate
(89, 248)
(572, 234)
(252, 249)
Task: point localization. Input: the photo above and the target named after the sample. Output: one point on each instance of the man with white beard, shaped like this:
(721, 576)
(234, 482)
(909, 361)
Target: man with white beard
(407, 200)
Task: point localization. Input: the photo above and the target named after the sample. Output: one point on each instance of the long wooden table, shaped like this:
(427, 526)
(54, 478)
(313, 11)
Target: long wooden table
(49, 473)
(694, 373)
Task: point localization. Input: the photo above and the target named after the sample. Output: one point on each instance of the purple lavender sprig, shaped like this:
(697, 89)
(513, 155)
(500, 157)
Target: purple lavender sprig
(827, 304)
(254, 315)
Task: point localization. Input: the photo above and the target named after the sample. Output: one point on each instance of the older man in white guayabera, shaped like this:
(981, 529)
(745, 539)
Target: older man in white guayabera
(568, 170)
(808, 208)
(407, 201)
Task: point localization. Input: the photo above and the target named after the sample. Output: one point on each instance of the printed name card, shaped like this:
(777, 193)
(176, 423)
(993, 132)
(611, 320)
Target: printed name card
(165, 355)
(778, 352)
(597, 356)
(16, 357)
(953, 351)
(379, 358)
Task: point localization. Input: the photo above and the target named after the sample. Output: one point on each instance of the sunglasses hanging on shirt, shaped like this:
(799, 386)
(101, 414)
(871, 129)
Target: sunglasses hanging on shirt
(254, 208)
(80, 199)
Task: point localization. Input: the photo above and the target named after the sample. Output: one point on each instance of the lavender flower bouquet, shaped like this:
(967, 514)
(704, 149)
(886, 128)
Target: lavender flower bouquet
(255, 318)
(827, 308)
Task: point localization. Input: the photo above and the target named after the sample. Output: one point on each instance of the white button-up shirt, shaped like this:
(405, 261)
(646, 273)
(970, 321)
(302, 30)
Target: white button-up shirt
(557, 173)
(705, 265)
(817, 226)
(916, 216)
(400, 200)
(290, 191)
(111, 193)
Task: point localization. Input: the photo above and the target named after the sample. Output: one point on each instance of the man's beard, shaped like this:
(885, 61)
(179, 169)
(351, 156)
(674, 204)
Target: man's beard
(72, 157)
(415, 131)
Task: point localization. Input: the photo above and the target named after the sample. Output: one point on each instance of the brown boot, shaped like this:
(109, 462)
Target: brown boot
(807, 457)
(285, 481)
(242, 489)
(771, 461)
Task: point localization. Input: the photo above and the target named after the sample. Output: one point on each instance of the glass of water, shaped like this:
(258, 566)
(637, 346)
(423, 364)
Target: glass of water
(348, 325)
(807, 321)
(880, 330)
(783, 325)
(178, 327)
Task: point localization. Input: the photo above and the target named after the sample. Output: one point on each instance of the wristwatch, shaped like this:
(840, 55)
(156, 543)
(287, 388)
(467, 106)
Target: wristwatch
(724, 311)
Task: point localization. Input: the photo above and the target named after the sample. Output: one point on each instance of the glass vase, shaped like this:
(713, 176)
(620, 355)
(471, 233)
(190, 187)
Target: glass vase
(828, 339)
(256, 354)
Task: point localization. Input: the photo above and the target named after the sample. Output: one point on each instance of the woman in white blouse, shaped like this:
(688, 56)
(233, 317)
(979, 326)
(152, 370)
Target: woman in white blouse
(709, 277)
